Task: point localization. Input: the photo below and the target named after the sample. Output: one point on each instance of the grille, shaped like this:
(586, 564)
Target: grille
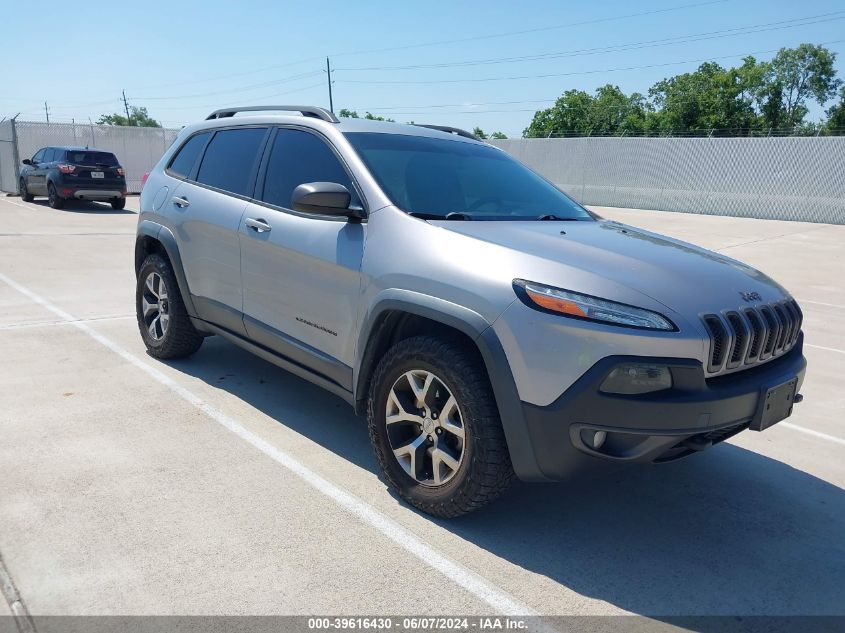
(739, 338)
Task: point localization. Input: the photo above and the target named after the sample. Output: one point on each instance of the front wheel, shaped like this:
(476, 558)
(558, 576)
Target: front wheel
(162, 318)
(435, 427)
(25, 195)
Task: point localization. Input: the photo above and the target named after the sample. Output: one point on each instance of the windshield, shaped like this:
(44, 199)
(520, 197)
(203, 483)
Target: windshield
(84, 157)
(433, 178)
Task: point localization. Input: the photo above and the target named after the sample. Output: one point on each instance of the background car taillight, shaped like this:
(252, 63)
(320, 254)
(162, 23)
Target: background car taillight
(121, 171)
(67, 169)
(144, 179)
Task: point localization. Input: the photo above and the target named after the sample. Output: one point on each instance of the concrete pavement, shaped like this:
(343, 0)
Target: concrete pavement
(125, 492)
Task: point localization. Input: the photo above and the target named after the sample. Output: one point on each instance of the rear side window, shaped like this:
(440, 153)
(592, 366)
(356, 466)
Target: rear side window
(230, 159)
(87, 157)
(48, 155)
(299, 157)
(186, 157)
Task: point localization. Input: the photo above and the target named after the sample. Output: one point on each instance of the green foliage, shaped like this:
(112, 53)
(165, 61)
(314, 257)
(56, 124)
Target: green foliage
(137, 117)
(836, 116)
(482, 135)
(755, 97)
(352, 114)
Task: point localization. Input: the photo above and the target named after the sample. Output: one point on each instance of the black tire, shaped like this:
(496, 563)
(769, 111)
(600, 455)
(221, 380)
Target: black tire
(53, 198)
(118, 203)
(179, 339)
(485, 470)
(25, 195)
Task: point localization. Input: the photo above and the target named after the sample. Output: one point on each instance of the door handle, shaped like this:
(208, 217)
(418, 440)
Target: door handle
(180, 202)
(258, 225)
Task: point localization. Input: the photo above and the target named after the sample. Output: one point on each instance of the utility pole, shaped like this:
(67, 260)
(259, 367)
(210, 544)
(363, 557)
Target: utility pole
(46, 112)
(329, 73)
(126, 106)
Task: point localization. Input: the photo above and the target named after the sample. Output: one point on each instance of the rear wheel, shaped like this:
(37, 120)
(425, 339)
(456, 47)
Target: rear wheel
(25, 195)
(118, 203)
(53, 198)
(162, 318)
(435, 427)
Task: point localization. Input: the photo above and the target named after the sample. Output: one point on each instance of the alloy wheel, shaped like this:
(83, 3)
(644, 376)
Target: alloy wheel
(155, 306)
(425, 428)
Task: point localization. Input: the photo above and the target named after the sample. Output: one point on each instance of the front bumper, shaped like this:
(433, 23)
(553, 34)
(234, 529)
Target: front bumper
(691, 416)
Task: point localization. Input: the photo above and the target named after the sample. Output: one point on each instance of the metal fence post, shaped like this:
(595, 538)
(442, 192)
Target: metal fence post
(15, 154)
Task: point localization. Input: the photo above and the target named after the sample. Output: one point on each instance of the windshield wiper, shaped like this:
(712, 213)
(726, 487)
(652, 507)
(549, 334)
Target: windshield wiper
(457, 215)
(552, 216)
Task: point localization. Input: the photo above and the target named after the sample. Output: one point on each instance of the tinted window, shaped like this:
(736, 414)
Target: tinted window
(299, 157)
(434, 177)
(87, 157)
(185, 158)
(230, 158)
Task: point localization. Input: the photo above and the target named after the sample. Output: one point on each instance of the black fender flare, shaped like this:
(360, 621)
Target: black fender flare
(478, 329)
(165, 237)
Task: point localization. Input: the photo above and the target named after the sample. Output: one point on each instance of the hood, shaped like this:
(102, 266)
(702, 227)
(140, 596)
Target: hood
(676, 274)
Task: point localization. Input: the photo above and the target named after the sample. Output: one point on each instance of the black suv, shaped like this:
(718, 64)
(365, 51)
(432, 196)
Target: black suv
(79, 173)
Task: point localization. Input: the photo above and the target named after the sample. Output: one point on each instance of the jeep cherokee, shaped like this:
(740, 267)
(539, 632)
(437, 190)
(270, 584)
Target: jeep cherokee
(488, 325)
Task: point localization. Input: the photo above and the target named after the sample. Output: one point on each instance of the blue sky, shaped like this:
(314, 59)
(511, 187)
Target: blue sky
(182, 60)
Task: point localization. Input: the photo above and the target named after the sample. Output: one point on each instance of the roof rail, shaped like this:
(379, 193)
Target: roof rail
(310, 111)
(450, 130)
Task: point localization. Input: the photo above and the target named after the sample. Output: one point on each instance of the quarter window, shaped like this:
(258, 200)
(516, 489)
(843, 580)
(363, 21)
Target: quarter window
(230, 159)
(39, 156)
(298, 157)
(185, 159)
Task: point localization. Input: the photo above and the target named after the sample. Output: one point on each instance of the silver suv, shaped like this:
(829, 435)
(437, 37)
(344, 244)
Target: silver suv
(487, 324)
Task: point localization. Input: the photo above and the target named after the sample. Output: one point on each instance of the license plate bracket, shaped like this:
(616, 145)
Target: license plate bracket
(775, 404)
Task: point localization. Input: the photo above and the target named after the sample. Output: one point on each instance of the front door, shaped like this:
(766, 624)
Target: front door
(301, 272)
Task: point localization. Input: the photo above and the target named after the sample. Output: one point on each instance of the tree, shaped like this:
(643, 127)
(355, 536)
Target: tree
(794, 76)
(137, 117)
(482, 135)
(352, 114)
(836, 116)
(610, 111)
(709, 99)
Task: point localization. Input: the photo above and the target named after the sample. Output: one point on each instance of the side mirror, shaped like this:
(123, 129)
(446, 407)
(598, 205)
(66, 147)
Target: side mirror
(325, 198)
(26, 161)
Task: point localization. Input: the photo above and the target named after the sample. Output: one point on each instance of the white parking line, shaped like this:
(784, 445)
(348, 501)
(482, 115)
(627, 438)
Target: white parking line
(829, 349)
(498, 599)
(33, 324)
(803, 429)
(822, 303)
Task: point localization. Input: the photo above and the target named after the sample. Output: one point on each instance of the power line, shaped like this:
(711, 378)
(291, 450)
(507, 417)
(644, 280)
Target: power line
(232, 90)
(534, 30)
(568, 74)
(678, 39)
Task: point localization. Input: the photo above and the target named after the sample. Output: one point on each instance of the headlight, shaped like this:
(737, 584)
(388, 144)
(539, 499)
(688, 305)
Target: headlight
(580, 306)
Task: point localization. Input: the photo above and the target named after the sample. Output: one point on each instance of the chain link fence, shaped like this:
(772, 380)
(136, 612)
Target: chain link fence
(796, 178)
(137, 148)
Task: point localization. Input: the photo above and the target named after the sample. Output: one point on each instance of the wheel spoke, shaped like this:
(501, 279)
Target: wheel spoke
(151, 285)
(153, 328)
(439, 457)
(410, 456)
(397, 413)
(420, 383)
(449, 418)
(164, 320)
(148, 307)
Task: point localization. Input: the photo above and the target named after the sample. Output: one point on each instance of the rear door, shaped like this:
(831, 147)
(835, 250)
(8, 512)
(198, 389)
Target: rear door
(206, 210)
(301, 274)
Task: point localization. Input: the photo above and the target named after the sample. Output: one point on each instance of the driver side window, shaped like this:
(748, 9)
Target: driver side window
(39, 156)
